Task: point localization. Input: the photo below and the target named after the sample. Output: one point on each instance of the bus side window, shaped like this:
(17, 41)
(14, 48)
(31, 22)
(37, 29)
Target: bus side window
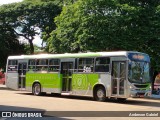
(86, 65)
(42, 65)
(12, 65)
(32, 65)
(102, 64)
(54, 65)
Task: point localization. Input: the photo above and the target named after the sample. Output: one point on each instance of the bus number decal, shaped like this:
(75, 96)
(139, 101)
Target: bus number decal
(86, 69)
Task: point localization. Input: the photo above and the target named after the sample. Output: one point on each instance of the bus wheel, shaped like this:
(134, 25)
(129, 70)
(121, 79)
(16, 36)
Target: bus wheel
(100, 94)
(37, 89)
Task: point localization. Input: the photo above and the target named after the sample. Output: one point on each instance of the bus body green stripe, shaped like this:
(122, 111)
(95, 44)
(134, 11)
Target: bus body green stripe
(54, 80)
(84, 81)
(47, 80)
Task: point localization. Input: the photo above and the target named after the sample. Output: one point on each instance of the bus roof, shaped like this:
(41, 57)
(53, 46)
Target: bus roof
(74, 55)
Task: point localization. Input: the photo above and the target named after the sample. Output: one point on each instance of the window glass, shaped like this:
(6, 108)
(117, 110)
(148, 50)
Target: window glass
(86, 65)
(12, 65)
(32, 65)
(42, 62)
(31, 68)
(102, 64)
(32, 62)
(12, 62)
(54, 65)
(42, 65)
(54, 62)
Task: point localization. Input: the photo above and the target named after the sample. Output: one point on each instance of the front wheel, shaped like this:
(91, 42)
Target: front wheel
(100, 94)
(36, 89)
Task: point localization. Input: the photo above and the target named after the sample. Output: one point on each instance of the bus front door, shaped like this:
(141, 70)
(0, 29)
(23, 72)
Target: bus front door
(66, 71)
(118, 78)
(22, 75)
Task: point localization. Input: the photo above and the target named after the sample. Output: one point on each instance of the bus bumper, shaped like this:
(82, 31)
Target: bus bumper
(137, 94)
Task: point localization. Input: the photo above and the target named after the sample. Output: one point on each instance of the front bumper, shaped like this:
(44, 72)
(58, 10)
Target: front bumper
(135, 93)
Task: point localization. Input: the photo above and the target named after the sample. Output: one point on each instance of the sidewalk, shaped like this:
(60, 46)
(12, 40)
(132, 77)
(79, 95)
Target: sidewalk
(153, 96)
(3, 87)
(148, 95)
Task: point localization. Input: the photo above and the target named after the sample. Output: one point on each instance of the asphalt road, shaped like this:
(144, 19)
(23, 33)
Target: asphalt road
(74, 107)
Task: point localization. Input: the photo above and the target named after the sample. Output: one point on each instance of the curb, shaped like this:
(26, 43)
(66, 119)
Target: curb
(152, 98)
(3, 87)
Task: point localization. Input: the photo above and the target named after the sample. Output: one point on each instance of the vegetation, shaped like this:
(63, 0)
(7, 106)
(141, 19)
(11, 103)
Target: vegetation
(84, 25)
(30, 18)
(9, 43)
(100, 25)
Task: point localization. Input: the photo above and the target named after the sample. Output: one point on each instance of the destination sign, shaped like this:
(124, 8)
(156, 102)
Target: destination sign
(138, 57)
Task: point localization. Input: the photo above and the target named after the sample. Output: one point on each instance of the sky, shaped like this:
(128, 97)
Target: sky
(9, 1)
(37, 41)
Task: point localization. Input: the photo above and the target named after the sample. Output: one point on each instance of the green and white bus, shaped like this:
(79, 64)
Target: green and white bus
(119, 74)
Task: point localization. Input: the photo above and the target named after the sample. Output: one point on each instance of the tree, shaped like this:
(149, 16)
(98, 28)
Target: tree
(31, 18)
(83, 25)
(94, 25)
(9, 44)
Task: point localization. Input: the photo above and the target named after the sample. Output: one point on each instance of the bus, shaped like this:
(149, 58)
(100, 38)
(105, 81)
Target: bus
(101, 75)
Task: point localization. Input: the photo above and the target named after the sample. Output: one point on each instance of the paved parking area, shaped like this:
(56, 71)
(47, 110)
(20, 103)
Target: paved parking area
(22, 101)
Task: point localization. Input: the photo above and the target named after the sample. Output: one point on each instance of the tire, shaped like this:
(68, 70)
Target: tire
(100, 94)
(37, 89)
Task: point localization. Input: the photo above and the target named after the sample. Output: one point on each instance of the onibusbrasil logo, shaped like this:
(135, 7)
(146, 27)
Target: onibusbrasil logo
(20, 114)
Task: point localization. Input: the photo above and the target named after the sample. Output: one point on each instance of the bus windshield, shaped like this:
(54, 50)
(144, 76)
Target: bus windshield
(139, 72)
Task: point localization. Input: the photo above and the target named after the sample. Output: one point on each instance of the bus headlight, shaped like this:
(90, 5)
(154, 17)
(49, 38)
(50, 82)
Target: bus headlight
(131, 87)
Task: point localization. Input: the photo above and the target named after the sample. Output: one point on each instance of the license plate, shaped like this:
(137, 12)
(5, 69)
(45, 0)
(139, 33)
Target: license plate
(141, 95)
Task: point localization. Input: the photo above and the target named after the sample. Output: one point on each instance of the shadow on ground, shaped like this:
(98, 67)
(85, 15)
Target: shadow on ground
(130, 101)
(3, 87)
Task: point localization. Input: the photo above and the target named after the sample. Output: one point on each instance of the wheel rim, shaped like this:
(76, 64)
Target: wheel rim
(37, 89)
(100, 94)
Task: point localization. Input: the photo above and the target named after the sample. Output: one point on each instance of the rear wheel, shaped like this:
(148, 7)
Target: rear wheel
(100, 94)
(37, 89)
